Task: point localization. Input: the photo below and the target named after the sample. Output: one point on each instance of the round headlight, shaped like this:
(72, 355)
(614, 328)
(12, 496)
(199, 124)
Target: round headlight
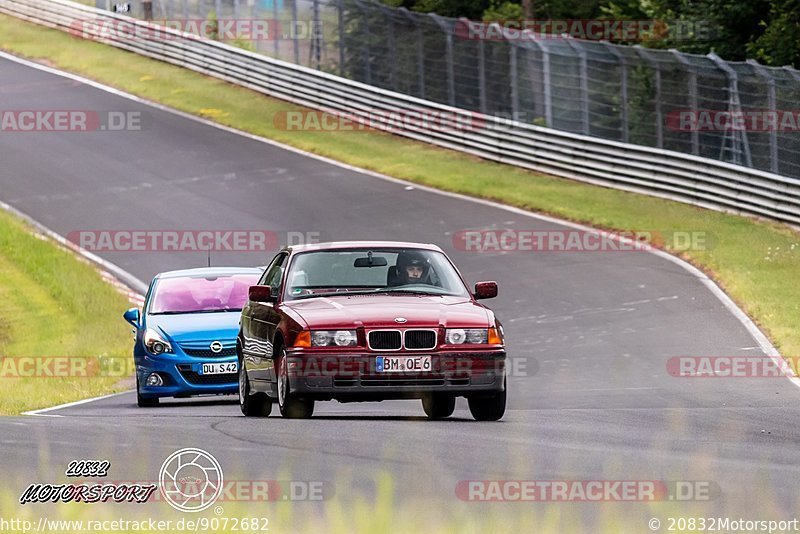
(476, 335)
(456, 336)
(320, 338)
(157, 347)
(343, 338)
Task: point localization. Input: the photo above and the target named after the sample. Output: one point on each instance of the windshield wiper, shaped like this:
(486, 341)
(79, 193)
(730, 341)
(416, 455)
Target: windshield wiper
(335, 294)
(408, 291)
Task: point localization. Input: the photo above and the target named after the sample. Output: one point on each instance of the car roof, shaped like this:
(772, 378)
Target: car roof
(334, 245)
(210, 271)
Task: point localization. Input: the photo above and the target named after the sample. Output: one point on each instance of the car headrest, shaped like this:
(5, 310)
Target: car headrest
(300, 278)
(391, 276)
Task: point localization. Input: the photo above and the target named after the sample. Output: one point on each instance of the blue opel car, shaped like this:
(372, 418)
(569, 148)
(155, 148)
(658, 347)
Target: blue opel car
(186, 333)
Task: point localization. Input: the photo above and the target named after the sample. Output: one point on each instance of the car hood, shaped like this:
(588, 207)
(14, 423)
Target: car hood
(381, 311)
(197, 326)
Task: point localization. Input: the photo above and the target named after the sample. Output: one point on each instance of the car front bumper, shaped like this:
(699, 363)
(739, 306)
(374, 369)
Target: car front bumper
(182, 377)
(353, 377)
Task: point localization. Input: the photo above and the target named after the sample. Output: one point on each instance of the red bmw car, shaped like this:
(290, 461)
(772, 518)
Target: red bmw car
(369, 321)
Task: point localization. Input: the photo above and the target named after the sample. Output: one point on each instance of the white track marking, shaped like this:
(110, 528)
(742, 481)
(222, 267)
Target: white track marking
(43, 412)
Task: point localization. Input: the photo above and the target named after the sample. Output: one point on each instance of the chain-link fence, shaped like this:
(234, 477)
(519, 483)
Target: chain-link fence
(738, 112)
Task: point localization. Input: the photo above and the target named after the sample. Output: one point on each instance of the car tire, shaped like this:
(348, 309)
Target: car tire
(289, 405)
(252, 405)
(488, 408)
(144, 402)
(438, 406)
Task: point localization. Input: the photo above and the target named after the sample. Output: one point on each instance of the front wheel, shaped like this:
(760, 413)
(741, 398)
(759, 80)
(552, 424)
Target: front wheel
(489, 408)
(289, 405)
(438, 406)
(252, 405)
(144, 402)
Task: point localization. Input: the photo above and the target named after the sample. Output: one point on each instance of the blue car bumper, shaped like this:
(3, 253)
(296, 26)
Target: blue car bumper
(182, 376)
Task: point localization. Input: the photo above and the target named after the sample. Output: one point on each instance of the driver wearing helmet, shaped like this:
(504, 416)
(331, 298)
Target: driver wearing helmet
(412, 268)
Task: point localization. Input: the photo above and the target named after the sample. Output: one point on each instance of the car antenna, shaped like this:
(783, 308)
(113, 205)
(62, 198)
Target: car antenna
(208, 251)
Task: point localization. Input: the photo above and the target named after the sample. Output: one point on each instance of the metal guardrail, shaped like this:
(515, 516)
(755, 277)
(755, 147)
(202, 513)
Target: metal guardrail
(699, 181)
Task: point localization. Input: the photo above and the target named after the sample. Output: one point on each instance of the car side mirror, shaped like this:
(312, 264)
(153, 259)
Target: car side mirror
(485, 290)
(263, 294)
(132, 316)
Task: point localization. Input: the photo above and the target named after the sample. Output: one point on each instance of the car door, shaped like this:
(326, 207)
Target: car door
(259, 326)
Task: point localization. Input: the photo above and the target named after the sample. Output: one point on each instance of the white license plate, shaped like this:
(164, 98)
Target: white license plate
(219, 368)
(403, 364)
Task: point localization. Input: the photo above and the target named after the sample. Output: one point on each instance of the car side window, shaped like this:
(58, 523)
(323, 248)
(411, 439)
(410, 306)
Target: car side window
(272, 276)
(266, 275)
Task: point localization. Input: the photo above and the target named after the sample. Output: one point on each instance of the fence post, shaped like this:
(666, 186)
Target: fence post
(546, 80)
(739, 143)
(772, 104)
(420, 49)
(513, 77)
(316, 35)
(387, 12)
(482, 73)
(692, 97)
(623, 79)
(659, 113)
(451, 83)
(584, 82)
(278, 29)
(294, 32)
(340, 8)
(367, 62)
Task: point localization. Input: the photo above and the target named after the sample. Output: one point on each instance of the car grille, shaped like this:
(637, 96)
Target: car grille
(384, 340)
(208, 353)
(420, 339)
(198, 379)
(410, 339)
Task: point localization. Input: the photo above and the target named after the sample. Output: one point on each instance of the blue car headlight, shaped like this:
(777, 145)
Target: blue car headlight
(155, 343)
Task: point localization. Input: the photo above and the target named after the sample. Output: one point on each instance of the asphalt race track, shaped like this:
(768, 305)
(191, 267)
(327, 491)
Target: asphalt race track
(594, 330)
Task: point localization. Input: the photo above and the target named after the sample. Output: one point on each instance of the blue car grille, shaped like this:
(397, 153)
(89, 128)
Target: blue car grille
(208, 353)
(202, 348)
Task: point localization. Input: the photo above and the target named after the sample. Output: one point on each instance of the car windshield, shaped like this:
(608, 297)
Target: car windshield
(360, 271)
(200, 294)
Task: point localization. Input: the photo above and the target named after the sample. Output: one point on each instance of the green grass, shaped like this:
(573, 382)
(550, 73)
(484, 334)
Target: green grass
(53, 305)
(757, 263)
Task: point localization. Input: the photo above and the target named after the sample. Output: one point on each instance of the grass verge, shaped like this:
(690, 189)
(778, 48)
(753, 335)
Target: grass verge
(757, 263)
(55, 311)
